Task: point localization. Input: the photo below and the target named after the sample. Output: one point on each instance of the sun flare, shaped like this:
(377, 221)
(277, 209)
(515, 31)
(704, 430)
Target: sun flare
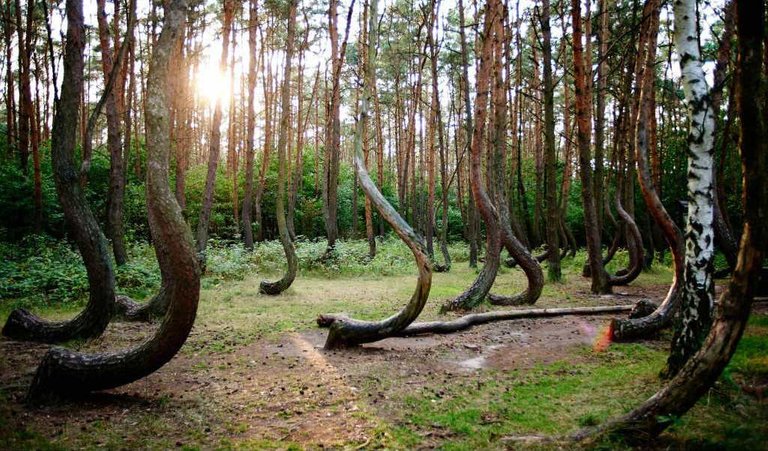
(213, 85)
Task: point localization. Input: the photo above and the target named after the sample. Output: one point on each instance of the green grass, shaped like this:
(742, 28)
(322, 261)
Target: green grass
(464, 411)
(544, 400)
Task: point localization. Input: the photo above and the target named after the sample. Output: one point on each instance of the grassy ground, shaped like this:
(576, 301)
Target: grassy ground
(253, 374)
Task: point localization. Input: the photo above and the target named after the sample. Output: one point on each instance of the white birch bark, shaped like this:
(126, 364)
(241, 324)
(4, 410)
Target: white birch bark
(698, 291)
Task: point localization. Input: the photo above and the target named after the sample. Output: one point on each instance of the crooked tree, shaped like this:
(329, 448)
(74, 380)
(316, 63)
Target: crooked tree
(63, 372)
(281, 285)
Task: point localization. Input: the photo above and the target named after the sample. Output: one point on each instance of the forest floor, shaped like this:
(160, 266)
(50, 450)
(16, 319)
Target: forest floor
(253, 374)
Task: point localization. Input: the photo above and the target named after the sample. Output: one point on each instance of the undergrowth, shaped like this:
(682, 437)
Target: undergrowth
(41, 271)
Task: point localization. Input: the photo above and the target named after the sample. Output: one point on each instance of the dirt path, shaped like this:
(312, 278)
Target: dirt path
(232, 387)
(284, 390)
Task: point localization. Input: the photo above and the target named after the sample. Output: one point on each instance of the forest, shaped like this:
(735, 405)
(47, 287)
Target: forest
(395, 224)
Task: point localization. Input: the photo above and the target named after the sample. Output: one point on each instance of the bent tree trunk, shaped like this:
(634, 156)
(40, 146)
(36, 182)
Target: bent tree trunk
(91, 322)
(345, 331)
(64, 372)
(516, 249)
(626, 329)
(277, 287)
(482, 284)
(634, 245)
(702, 370)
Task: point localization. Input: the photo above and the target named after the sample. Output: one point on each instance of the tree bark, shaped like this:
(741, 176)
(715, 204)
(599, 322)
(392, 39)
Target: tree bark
(444, 183)
(253, 26)
(332, 158)
(215, 146)
(467, 321)
(583, 102)
(91, 322)
(277, 287)
(698, 288)
(345, 332)
(626, 329)
(517, 250)
(701, 371)
(67, 373)
(479, 289)
(116, 193)
(550, 153)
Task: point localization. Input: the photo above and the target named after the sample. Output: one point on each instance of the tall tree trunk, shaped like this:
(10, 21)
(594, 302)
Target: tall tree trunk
(726, 239)
(269, 103)
(116, 193)
(215, 147)
(698, 287)
(277, 287)
(25, 93)
(10, 102)
(550, 153)
(232, 133)
(333, 131)
(438, 119)
(473, 225)
(64, 372)
(253, 29)
(583, 102)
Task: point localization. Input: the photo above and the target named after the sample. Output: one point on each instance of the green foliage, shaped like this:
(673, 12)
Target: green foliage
(43, 271)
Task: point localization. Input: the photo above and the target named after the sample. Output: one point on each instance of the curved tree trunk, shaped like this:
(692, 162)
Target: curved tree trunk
(625, 329)
(344, 331)
(91, 322)
(281, 285)
(517, 250)
(64, 372)
(482, 284)
(701, 371)
(634, 245)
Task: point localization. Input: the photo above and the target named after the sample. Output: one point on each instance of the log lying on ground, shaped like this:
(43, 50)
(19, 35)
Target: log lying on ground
(345, 331)
(67, 373)
(474, 319)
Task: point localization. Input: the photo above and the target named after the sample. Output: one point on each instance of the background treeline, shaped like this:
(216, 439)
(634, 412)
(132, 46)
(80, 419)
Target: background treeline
(402, 146)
